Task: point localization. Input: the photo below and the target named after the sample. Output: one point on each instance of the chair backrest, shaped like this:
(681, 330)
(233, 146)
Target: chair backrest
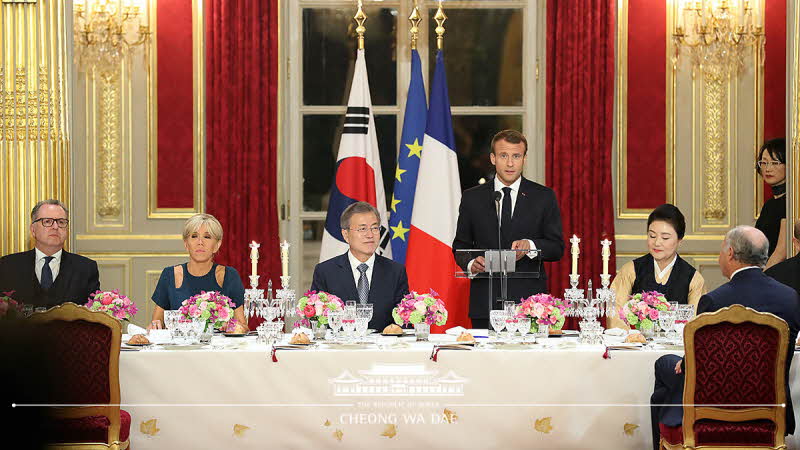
(83, 362)
(735, 361)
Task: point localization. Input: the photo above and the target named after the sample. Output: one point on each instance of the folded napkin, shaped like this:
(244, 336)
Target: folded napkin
(476, 332)
(455, 331)
(615, 332)
(159, 336)
(135, 329)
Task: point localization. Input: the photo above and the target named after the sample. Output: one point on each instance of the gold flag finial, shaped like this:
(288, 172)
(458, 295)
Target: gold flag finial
(415, 18)
(440, 17)
(360, 18)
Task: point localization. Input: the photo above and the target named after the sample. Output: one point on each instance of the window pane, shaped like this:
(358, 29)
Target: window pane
(329, 54)
(321, 135)
(473, 140)
(312, 242)
(483, 56)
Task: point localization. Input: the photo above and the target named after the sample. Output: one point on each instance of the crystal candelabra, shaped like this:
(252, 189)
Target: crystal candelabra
(286, 298)
(108, 31)
(589, 308)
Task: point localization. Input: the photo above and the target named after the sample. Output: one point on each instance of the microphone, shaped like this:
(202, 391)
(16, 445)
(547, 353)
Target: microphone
(497, 196)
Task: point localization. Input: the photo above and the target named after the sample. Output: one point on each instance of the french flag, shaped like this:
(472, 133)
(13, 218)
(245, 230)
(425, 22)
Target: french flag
(429, 261)
(358, 168)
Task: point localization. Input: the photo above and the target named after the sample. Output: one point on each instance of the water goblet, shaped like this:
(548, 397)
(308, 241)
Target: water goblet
(335, 321)
(361, 327)
(666, 320)
(511, 327)
(524, 327)
(349, 322)
(498, 320)
(683, 315)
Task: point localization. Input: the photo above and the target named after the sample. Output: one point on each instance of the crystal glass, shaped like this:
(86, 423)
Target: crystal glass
(361, 327)
(349, 322)
(367, 311)
(673, 306)
(27, 310)
(683, 315)
(666, 320)
(422, 330)
(350, 304)
(524, 327)
(543, 332)
(498, 320)
(171, 319)
(318, 329)
(335, 321)
(511, 327)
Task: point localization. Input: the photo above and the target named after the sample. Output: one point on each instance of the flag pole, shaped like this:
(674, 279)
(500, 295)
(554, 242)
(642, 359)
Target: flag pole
(415, 18)
(360, 18)
(440, 17)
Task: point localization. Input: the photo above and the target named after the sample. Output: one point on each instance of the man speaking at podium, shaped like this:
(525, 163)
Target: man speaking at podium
(528, 217)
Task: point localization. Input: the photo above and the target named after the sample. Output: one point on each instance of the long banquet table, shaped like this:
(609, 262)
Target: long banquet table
(557, 395)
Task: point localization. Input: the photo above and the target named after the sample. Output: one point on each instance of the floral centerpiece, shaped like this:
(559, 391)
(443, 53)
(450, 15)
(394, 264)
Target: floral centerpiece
(314, 306)
(417, 308)
(112, 303)
(641, 311)
(543, 309)
(9, 308)
(212, 307)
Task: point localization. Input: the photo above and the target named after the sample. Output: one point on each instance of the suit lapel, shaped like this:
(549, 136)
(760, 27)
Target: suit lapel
(64, 273)
(491, 212)
(346, 272)
(378, 278)
(520, 207)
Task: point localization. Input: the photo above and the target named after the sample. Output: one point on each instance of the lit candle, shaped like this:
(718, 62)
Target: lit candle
(680, 16)
(575, 252)
(254, 257)
(757, 13)
(606, 254)
(285, 258)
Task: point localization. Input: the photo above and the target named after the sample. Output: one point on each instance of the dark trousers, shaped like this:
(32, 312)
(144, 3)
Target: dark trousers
(668, 390)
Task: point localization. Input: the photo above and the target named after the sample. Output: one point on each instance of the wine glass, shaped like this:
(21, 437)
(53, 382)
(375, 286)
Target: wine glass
(335, 321)
(683, 315)
(361, 327)
(498, 321)
(511, 326)
(666, 320)
(524, 327)
(349, 322)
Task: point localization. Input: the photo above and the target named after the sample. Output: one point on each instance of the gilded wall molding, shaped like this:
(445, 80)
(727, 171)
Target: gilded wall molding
(34, 141)
(715, 176)
(793, 119)
(108, 185)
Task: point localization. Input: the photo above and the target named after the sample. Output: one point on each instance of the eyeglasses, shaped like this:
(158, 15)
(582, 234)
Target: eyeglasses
(765, 164)
(48, 222)
(363, 230)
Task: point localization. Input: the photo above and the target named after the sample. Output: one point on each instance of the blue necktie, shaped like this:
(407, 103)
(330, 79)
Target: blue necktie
(363, 284)
(47, 275)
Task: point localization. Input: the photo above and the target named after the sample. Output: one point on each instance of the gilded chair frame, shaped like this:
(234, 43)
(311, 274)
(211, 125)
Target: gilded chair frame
(735, 314)
(70, 312)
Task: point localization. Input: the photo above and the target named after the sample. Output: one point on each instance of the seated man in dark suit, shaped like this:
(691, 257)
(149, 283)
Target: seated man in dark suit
(788, 272)
(360, 274)
(743, 255)
(48, 275)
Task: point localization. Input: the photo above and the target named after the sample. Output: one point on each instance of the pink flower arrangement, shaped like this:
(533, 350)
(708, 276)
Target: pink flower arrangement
(543, 309)
(212, 307)
(315, 306)
(112, 303)
(641, 311)
(418, 308)
(9, 308)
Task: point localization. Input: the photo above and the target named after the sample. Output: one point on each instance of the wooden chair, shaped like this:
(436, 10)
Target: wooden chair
(83, 365)
(734, 356)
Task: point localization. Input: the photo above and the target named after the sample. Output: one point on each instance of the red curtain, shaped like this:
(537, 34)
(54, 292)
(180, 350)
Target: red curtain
(580, 95)
(241, 128)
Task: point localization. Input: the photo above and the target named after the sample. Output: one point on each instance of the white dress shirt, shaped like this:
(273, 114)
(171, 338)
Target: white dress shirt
(743, 268)
(354, 263)
(55, 264)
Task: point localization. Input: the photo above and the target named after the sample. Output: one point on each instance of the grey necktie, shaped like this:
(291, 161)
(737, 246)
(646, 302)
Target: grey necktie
(363, 284)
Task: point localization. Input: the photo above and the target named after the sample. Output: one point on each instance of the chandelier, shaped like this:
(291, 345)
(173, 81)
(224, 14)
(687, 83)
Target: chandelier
(108, 31)
(716, 34)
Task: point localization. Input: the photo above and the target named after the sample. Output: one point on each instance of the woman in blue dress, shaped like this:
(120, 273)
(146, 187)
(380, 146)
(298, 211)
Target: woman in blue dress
(202, 237)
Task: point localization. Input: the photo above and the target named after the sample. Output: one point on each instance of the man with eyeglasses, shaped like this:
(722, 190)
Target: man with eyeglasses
(361, 274)
(529, 219)
(47, 275)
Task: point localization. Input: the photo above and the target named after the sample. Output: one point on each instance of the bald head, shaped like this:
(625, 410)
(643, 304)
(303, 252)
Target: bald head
(748, 246)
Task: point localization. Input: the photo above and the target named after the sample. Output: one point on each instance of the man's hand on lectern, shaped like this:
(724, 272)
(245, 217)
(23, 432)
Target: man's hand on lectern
(478, 265)
(522, 244)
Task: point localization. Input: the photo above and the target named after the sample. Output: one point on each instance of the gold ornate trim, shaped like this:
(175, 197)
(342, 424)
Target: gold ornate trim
(715, 175)
(109, 183)
(621, 112)
(126, 237)
(793, 119)
(688, 237)
(198, 152)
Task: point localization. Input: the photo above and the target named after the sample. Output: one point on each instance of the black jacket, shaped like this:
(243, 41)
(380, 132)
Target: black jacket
(77, 278)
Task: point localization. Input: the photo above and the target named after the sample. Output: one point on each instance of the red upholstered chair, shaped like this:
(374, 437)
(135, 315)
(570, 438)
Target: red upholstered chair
(734, 356)
(83, 360)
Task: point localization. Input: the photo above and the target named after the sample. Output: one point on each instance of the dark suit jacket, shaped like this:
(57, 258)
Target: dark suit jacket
(387, 287)
(77, 278)
(753, 289)
(787, 272)
(536, 217)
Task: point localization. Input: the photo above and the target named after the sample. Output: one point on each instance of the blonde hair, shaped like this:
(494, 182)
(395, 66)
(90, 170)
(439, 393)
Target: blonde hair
(194, 223)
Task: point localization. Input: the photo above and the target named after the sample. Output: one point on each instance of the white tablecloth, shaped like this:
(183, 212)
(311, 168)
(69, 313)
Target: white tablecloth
(563, 397)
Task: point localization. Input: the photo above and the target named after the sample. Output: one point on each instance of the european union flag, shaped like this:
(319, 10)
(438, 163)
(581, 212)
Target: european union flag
(405, 179)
